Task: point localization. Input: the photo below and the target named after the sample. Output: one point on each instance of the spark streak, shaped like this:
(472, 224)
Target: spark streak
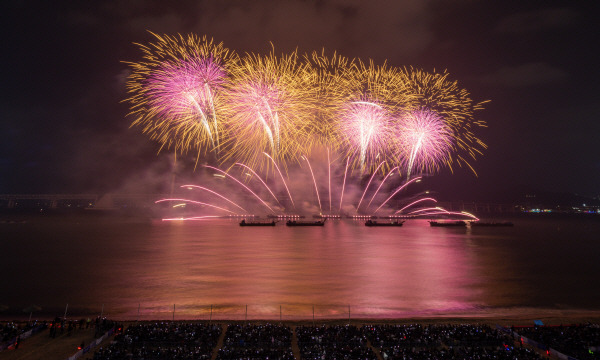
(261, 180)
(416, 202)
(395, 192)
(194, 202)
(367, 187)
(380, 185)
(244, 186)
(329, 178)
(315, 182)
(344, 183)
(282, 179)
(213, 192)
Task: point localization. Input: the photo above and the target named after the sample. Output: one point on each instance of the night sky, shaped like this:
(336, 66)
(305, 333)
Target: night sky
(65, 130)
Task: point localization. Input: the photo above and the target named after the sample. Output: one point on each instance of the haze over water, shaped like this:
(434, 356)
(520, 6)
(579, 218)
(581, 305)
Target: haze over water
(540, 265)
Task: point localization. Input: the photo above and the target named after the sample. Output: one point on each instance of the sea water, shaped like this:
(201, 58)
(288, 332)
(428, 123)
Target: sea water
(137, 268)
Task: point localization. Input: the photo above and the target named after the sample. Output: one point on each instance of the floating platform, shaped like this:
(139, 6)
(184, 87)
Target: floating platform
(285, 216)
(487, 223)
(305, 223)
(458, 223)
(257, 223)
(375, 223)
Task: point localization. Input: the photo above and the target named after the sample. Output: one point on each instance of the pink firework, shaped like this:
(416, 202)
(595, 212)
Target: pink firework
(365, 126)
(184, 94)
(425, 140)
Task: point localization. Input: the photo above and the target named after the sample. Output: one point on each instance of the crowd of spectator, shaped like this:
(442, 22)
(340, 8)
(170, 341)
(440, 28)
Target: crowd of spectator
(181, 340)
(404, 336)
(414, 342)
(333, 342)
(11, 330)
(164, 340)
(579, 341)
(257, 342)
(467, 353)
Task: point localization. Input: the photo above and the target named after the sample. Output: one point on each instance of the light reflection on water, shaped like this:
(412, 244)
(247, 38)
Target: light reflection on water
(414, 270)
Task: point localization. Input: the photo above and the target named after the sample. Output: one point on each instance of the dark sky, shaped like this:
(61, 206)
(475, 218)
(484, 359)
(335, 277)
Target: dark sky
(63, 128)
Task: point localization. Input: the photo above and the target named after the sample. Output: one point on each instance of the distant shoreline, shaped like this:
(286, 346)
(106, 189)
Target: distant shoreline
(523, 320)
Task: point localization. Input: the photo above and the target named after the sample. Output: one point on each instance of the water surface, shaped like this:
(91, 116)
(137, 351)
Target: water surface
(122, 265)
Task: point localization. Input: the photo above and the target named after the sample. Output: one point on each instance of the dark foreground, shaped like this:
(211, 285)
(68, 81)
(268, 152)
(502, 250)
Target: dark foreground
(428, 339)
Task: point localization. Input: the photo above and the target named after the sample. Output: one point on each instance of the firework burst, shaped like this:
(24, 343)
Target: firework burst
(331, 76)
(372, 97)
(269, 109)
(192, 94)
(176, 91)
(425, 141)
(453, 105)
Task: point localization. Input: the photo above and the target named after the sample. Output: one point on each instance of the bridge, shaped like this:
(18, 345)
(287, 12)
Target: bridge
(97, 201)
(117, 201)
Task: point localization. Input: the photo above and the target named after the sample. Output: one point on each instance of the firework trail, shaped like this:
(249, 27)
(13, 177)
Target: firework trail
(194, 218)
(415, 202)
(176, 91)
(194, 202)
(213, 192)
(441, 211)
(395, 192)
(261, 180)
(380, 185)
(344, 183)
(367, 187)
(282, 179)
(314, 181)
(242, 185)
(329, 178)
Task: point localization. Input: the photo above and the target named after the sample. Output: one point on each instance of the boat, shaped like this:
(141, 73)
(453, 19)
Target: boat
(448, 223)
(375, 223)
(257, 223)
(305, 223)
(487, 223)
